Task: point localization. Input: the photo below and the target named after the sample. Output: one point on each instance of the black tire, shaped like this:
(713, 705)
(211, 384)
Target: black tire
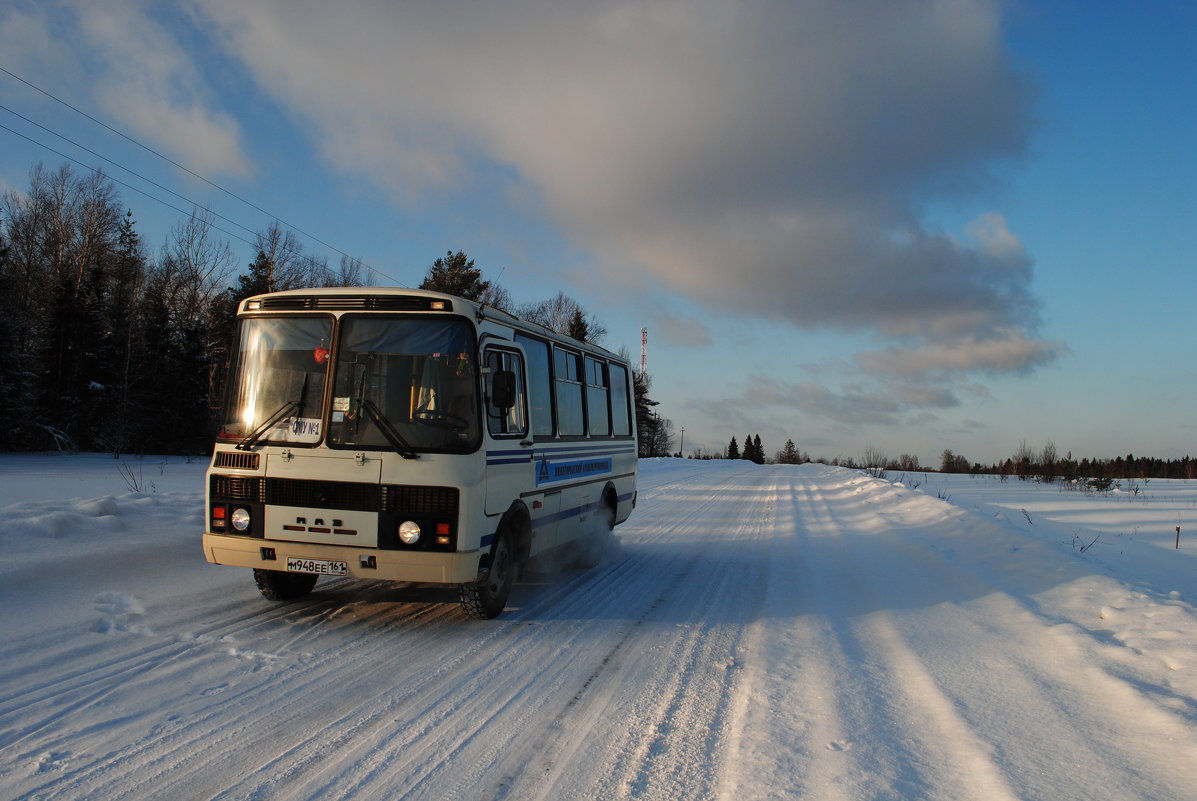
(279, 586)
(486, 598)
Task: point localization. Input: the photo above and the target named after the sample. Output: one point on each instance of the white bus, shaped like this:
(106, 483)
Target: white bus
(406, 435)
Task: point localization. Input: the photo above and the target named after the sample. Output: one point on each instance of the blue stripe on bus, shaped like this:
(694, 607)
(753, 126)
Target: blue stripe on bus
(584, 450)
(581, 447)
(527, 456)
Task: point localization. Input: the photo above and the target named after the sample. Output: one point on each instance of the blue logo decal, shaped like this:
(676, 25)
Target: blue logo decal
(548, 472)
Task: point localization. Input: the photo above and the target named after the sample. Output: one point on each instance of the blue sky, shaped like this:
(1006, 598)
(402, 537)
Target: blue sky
(898, 226)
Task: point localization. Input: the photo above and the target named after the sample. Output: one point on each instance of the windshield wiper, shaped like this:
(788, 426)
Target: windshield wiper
(284, 410)
(257, 433)
(388, 430)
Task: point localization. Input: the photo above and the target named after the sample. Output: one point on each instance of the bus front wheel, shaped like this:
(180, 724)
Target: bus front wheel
(487, 597)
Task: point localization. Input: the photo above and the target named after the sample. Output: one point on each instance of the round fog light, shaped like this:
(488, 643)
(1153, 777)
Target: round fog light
(240, 519)
(409, 532)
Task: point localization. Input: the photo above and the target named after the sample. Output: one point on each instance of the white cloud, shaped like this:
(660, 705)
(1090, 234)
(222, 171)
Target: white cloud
(116, 58)
(764, 158)
(1011, 353)
(852, 404)
(767, 159)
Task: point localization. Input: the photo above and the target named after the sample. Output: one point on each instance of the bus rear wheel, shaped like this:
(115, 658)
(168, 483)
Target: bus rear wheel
(486, 598)
(279, 586)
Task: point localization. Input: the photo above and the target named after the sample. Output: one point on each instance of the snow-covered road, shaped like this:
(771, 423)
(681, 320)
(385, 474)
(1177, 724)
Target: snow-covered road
(760, 632)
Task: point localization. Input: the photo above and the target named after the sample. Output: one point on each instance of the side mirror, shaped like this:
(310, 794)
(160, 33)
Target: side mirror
(502, 389)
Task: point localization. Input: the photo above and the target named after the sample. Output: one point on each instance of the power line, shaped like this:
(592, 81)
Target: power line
(169, 161)
(145, 194)
(113, 163)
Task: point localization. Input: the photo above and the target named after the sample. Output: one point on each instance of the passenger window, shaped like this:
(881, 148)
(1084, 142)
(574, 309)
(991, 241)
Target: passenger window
(621, 418)
(540, 389)
(597, 403)
(567, 380)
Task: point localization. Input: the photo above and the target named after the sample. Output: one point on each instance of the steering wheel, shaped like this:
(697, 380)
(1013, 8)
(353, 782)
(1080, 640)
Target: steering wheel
(453, 422)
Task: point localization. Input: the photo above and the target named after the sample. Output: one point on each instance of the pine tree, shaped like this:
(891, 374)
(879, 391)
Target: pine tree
(578, 328)
(789, 453)
(119, 431)
(259, 280)
(758, 451)
(648, 426)
(455, 274)
(733, 450)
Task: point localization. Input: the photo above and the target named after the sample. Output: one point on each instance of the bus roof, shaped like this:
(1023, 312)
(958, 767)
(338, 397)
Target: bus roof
(390, 298)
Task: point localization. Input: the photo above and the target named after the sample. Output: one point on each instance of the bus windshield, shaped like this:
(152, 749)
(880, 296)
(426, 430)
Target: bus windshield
(408, 384)
(278, 385)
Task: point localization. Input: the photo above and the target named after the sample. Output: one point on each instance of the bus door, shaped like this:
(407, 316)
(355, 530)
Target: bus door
(509, 467)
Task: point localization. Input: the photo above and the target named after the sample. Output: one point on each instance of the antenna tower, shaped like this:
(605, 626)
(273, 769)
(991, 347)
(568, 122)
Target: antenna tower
(643, 351)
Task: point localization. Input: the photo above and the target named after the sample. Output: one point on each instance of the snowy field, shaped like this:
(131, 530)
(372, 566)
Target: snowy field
(769, 632)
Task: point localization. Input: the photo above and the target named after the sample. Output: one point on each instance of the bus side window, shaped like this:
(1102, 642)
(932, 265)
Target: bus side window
(510, 421)
(598, 406)
(621, 417)
(567, 389)
(540, 391)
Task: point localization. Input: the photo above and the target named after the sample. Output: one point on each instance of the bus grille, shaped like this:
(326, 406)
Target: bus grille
(236, 460)
(411, 500)
(421, 500)
(322, 494)
(236, 488)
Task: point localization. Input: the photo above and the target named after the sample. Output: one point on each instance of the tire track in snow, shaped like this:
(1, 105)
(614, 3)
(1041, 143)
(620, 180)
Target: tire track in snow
(296, 765)
(915, 669)
(761, 633)
(844, 681)
(179, 749)
(206, 732)
(926, 744)
(569, 737)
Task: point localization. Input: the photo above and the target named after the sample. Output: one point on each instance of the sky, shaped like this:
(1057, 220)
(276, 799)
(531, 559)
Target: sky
(888, 226)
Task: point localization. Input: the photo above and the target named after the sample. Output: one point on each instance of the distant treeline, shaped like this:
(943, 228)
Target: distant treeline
(1047, 465)
(111, 348)
(1044, 465)
(106, 346)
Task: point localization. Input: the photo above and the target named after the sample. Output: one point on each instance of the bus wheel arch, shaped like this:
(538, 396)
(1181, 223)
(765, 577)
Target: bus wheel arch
(517, 524)
(597, 539)
(611, 503)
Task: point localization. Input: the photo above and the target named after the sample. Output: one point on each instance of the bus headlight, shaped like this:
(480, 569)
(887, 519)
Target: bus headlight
(240, 519)
(409, 532)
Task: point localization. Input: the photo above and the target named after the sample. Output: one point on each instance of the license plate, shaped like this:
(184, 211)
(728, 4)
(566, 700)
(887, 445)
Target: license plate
(326, 567)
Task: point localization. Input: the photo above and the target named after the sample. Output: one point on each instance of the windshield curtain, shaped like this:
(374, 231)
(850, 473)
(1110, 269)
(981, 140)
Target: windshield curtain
(281, 367)
(417, 376)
